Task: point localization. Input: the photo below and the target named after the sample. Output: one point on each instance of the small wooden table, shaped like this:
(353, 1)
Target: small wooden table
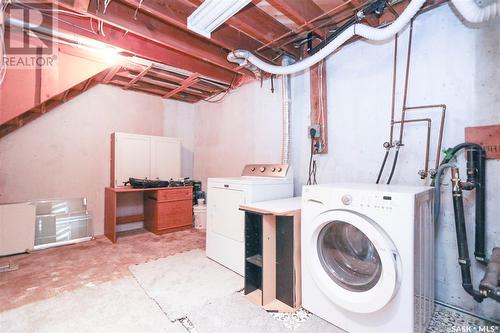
(166, 209)
(272, 254)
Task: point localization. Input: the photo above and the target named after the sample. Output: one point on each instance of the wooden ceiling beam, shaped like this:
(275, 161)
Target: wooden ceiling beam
(167, 85)
(176, 12)
(257, 24)
(144, 48)
(138, 77)
(300, 12)
(151, 28)
(185, 84)
(111, 74)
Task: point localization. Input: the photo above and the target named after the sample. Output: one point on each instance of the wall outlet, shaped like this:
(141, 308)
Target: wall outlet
(315, 127)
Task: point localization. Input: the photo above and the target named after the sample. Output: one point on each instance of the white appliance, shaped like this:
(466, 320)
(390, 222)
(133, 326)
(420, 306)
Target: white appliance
(226, 223)
(367, 256)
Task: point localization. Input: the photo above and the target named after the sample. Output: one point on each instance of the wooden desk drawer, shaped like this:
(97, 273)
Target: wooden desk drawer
(174, 194)
(174, 214)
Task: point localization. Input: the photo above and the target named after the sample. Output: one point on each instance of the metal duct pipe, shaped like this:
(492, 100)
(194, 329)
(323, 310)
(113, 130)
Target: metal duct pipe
(467, 8)
(286, 103)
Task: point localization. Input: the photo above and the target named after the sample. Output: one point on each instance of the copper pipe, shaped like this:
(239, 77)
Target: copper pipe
(405, 95)
(428, 141)
(441, 126)
(393, 106)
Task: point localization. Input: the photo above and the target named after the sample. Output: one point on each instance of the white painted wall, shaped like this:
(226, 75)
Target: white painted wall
(451, 64)
(178, 122)
(66, 152)
(245, 128)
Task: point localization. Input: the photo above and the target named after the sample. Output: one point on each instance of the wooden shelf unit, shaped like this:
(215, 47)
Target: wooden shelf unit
(272, 255)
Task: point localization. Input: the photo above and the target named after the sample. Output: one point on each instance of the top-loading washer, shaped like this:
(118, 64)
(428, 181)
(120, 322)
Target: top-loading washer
(226, 223)
(367, 256)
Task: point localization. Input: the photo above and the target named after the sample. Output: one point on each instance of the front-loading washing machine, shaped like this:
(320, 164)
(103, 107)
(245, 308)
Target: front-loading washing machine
(367, 256)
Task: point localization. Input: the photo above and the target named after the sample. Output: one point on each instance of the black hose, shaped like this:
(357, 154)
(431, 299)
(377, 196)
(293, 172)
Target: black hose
(463, 251)
(382, 166)
(437, 190)
(394, 162)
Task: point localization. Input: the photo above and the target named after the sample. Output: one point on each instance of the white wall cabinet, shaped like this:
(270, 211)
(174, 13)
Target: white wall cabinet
(144, 156)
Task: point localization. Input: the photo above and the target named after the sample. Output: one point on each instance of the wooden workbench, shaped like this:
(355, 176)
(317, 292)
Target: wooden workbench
(160, 204)
(272, 253)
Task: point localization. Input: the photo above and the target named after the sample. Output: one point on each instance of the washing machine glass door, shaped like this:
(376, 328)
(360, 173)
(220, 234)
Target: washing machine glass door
(356, 263)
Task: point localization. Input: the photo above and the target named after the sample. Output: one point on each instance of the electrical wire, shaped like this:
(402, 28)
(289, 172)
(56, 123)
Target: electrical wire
(224, 93)
(309, 181)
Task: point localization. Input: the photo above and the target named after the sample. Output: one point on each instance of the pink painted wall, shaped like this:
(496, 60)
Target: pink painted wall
(17, 93)
(66, 152)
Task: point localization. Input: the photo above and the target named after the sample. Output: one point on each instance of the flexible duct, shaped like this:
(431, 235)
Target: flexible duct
(472, 13)
(467, 8)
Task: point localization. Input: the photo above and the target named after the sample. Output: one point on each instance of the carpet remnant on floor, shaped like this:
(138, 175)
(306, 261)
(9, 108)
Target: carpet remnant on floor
(48, 273)
(185, 281)
(115, 306)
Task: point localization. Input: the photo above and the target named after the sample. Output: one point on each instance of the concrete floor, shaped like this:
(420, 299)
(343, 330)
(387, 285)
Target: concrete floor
(88, 287)
(48, 273)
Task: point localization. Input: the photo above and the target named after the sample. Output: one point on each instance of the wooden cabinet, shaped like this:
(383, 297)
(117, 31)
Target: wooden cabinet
(144, 156)
(272, 254)
(168, 210)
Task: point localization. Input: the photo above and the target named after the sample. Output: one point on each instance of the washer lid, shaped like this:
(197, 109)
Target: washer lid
(354, 262)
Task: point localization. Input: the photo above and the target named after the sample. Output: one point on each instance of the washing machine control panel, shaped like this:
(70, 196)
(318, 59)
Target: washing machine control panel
(370, 201)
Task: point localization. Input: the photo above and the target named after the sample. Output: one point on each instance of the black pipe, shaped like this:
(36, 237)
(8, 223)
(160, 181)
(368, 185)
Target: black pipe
(382, 166)
(353, 20)
(476, 176)
(463, 251)
(479, 251)
(394, 162)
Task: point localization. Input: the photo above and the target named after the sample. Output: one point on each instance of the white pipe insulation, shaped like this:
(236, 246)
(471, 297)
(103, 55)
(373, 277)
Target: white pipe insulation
(467, 8)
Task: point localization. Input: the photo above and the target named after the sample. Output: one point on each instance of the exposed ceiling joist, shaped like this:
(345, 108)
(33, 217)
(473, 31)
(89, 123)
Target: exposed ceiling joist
(185, 84)
(138, 77)
(145, 48)
(257, 24)
(174, 38)
(300, 12)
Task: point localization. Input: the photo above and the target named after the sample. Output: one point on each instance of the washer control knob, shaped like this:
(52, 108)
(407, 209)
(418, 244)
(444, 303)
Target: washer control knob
(280, 169)
(262, 169)
(252, 169)
(346, 199)
(273, 169)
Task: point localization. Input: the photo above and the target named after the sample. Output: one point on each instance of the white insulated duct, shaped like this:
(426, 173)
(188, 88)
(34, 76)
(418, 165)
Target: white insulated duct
(467, 8)
(472, 13)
